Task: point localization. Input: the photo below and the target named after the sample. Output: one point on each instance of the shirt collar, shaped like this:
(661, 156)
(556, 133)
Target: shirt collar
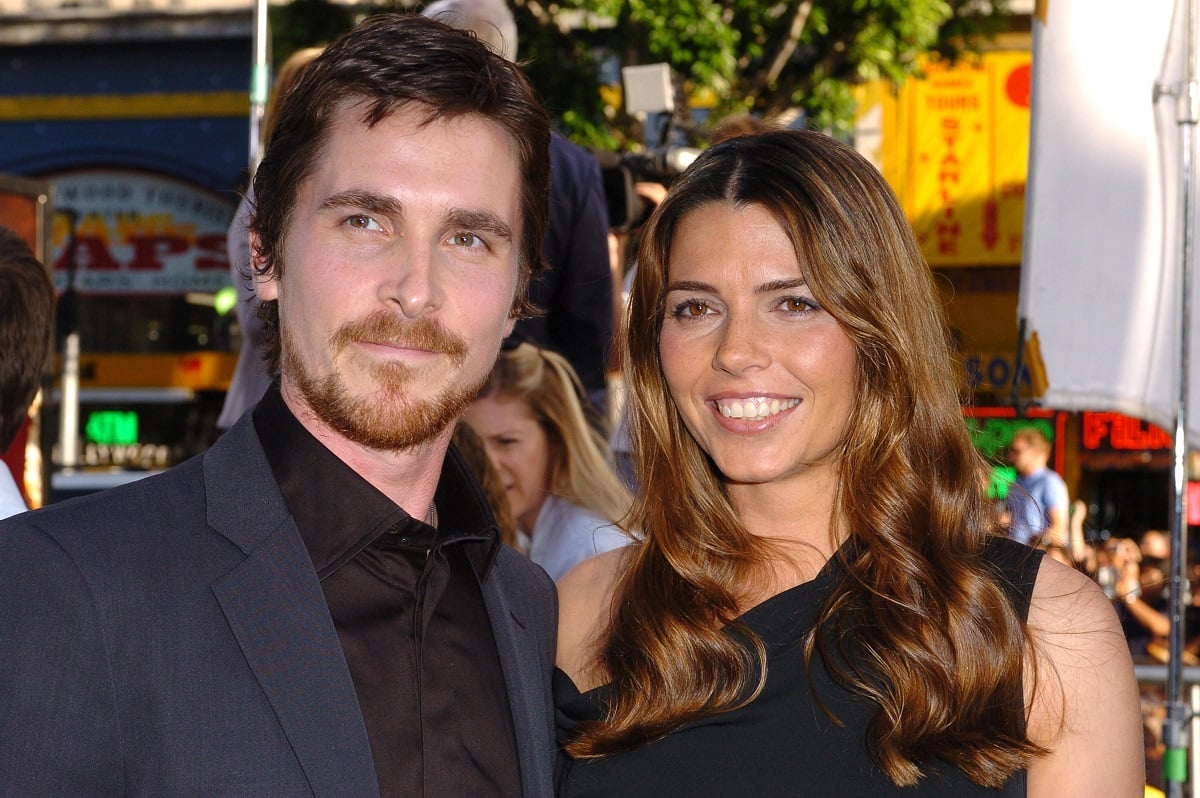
(339, 513)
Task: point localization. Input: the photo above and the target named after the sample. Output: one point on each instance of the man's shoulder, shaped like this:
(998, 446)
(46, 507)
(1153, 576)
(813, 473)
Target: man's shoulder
(526, 589)
(105, 537)
(127, 503)
(11, 500)
(138, 513)
(1048, 482)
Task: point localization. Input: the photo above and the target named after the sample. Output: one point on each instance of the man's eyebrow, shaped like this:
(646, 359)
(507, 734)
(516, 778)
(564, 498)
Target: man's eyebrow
(364, 200)
(484, 221)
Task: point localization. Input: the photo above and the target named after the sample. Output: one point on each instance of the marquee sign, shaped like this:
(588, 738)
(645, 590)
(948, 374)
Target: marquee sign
(119, 231)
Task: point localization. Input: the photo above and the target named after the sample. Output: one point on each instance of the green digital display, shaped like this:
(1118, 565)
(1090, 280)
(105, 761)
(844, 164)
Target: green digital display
(112, 427)
(992, 436)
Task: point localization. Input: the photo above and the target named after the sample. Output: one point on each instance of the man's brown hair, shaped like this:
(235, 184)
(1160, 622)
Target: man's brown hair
(26, 330)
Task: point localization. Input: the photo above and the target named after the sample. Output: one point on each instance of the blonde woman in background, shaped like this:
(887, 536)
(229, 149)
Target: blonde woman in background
(557, 470)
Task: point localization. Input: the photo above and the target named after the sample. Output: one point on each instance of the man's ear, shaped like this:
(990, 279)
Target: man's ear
(266, 287)
(508, 326)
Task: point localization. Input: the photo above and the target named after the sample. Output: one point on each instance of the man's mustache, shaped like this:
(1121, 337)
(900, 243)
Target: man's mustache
(382, 327)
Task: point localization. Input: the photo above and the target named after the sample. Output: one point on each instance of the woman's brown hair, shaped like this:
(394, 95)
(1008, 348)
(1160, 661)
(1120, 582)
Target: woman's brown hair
(919, 623)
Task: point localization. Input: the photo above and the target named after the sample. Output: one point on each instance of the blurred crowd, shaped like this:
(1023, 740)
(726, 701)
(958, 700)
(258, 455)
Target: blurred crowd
(1134, 572)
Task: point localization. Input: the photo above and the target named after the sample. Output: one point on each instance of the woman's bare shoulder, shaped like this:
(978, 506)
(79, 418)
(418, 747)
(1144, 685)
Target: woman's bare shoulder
(1084, 704)
(584, 603)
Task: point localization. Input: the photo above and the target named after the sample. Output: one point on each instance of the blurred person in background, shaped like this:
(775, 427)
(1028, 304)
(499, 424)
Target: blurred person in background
(1155, 543)
(474, 452)
(1134, 574)
(250, 377)
(1137, 587)
(1037, 502)
(556, 468)
(1141, 593)
(26, 336)
(574, 293)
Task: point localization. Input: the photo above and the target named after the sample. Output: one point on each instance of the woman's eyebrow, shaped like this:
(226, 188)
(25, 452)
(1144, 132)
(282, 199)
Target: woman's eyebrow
(781, 285)
(691, 285)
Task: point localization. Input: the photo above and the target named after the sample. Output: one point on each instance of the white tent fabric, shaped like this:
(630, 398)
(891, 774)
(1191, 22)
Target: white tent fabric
(1100, 273)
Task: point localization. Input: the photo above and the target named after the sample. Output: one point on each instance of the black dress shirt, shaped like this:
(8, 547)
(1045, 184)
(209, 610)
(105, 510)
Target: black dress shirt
(405, 600)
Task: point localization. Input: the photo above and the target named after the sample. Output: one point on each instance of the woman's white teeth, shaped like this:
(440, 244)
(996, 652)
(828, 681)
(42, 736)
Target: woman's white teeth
(756, 408)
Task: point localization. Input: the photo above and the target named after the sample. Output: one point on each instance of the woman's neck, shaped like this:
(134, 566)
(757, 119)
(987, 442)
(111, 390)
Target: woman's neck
(795, 518)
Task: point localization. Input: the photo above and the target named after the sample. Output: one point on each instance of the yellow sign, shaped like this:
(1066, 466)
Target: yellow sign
(955, 147)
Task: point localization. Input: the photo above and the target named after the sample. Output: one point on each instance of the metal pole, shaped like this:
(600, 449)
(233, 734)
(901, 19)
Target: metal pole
(259, 81)
(1194, 726)
(68, 414)
(1018, 367)
(1188, 114)
(68, 422)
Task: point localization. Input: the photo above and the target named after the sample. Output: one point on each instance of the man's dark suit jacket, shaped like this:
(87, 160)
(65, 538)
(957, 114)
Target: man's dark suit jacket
(170, 637)
(575, 289)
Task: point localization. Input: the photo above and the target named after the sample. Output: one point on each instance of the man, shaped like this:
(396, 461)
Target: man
(576, 290)
(1037, 500)
(319, 605)
(26, 331)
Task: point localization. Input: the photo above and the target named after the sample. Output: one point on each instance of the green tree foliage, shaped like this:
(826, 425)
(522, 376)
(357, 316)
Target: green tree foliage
(755, 56)
(567, 75)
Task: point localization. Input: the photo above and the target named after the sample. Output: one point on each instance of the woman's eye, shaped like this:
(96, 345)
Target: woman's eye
(799, 304)
(692, 308)
(361, 221)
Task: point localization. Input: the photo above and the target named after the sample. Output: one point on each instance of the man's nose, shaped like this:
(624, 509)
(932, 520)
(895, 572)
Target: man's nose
(412, 284)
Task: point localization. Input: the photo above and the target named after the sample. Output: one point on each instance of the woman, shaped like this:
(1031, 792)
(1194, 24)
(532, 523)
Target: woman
(817, 604)
(557, 472)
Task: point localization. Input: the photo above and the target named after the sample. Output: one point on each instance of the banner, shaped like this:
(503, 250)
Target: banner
(953, 144)
(1100, 274)
(968, 125)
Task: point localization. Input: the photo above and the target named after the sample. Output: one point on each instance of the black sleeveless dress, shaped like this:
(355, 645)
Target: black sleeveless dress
(783, 743)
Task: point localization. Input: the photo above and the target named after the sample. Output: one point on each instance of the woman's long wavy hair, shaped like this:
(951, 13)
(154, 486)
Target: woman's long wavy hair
(581, 467)
(919, 623)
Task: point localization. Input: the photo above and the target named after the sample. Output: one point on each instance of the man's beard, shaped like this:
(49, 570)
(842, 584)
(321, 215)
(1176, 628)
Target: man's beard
(389, 418)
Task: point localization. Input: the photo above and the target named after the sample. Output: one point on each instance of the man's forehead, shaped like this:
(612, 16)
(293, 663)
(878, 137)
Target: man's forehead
(366, 112)
(474, 132)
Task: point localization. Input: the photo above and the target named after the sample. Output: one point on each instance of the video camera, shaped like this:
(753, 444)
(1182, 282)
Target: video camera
(627, 209)
(648, 89)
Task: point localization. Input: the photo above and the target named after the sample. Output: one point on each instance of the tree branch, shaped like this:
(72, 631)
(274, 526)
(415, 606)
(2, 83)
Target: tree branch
(788, 47)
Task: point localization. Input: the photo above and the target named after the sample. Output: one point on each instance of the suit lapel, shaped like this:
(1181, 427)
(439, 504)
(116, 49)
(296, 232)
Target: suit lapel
(276, 610)
(526, 677)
